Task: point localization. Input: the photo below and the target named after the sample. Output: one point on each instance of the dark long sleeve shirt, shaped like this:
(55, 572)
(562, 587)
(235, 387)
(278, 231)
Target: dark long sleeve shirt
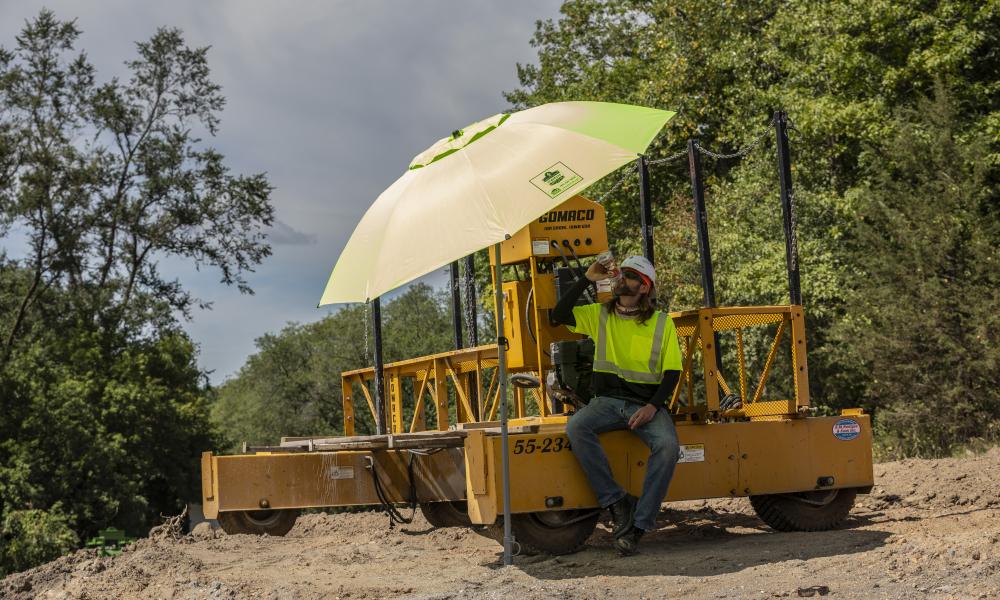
(609, 384)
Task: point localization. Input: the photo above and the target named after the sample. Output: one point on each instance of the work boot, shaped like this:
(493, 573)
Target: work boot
(628, 543)
(623, 514)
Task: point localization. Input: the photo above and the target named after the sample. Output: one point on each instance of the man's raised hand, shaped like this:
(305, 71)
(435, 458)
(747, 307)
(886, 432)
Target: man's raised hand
(596, 272)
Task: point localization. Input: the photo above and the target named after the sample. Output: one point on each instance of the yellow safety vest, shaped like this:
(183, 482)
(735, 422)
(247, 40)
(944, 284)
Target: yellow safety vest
(636, 353)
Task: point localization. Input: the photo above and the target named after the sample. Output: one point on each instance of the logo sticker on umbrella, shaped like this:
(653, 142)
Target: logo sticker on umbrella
(556, 179)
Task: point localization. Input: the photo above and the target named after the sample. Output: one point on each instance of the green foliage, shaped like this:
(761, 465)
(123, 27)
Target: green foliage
(106, 179)
(116, 442)
(867, 173)
(842, 70)
(105, 411)
(924, 292)
(31, 537)
(292, 386)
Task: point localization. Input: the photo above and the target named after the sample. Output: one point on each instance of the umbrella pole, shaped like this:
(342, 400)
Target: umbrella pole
(504, 442)
(380, 422)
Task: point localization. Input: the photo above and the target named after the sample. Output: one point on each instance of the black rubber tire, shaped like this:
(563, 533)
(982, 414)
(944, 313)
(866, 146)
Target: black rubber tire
(787, 512)
(446, 514)
(543, 533)
(258, 522)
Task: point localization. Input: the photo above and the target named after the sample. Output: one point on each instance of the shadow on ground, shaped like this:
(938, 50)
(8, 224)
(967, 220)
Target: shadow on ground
(704, 542)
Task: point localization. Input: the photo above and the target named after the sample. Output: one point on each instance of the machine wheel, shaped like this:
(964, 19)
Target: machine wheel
(258, 522)
(549, 532)
(446, 514)
(805, 511)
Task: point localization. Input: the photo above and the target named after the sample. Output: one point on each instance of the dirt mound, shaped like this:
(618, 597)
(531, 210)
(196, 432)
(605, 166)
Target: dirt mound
(930, 527)
(938, 484)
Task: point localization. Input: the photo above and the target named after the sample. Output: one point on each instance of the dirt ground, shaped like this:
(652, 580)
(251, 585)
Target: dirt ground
(929, 528)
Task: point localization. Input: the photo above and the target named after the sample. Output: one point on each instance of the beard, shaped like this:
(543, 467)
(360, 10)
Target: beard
(622, 289)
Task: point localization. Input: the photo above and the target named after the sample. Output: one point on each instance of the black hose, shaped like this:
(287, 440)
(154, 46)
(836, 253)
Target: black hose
(579, 266)
(579, 272)
(527, 311)
(527, 320)
(390, 509)
(562, 254)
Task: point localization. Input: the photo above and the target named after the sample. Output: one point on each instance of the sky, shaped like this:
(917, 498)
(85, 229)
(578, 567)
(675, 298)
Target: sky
(331, 99)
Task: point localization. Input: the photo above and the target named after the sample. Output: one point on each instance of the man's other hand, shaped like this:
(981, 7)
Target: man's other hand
(596, 272)
(642, 416)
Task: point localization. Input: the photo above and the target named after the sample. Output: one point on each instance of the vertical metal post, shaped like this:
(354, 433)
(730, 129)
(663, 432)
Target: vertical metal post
(472, 319)
(788, 207)
(701, 224)
(704, 249)
(470, 299)
(504, 441)
(379, 369)
(646, 209)
(456, 307)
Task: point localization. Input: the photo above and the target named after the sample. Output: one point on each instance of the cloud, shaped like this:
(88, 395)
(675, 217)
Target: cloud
(331, 98)
(282, 234)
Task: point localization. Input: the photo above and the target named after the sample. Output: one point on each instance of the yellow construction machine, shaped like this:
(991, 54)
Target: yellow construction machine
(743, 433)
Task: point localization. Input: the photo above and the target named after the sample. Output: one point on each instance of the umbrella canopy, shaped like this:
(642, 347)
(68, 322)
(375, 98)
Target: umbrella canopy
(482, 184)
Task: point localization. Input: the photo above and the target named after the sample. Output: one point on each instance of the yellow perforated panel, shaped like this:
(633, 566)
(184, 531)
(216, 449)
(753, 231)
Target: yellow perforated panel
(767, 408)
(726, 322)
(469, 366)
(684, 330)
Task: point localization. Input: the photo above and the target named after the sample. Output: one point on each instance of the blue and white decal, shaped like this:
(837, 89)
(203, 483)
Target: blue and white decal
(846, 429)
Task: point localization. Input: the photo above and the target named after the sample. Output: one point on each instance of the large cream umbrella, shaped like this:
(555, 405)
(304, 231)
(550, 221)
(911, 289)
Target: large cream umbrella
(482, 184)
(478, 187)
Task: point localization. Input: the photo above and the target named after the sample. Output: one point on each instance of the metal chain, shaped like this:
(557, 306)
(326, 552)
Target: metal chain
(791, 124)
(628, 171)
(665, 159)
(633, 169)
(467, 300)
(368, 308)
(793, 204)
(451, 287)
(742, 151)
(794, 237)
(672, 157)
(464, 301)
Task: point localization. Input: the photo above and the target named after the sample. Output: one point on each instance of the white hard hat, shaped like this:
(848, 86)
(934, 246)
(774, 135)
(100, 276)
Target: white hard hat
(640, 265)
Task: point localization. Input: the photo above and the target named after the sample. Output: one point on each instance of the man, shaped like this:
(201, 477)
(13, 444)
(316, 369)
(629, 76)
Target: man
(637, 364)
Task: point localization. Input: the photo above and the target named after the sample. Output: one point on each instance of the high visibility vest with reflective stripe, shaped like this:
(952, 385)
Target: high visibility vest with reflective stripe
(636, 353)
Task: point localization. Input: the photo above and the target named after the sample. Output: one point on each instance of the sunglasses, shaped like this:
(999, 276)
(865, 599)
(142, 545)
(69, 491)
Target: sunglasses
(632, 275)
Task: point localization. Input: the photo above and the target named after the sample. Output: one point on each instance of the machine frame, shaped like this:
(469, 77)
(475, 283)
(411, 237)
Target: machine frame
(800, 471)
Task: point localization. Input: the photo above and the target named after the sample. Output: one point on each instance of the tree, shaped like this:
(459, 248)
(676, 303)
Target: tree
(33, 536)
(292, 385)
(926, 285)
(106, 179)
(105, 410)
(840, 69)
(114, 443)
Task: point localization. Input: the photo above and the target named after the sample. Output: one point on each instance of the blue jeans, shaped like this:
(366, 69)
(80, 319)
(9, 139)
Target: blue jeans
(604, 414)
